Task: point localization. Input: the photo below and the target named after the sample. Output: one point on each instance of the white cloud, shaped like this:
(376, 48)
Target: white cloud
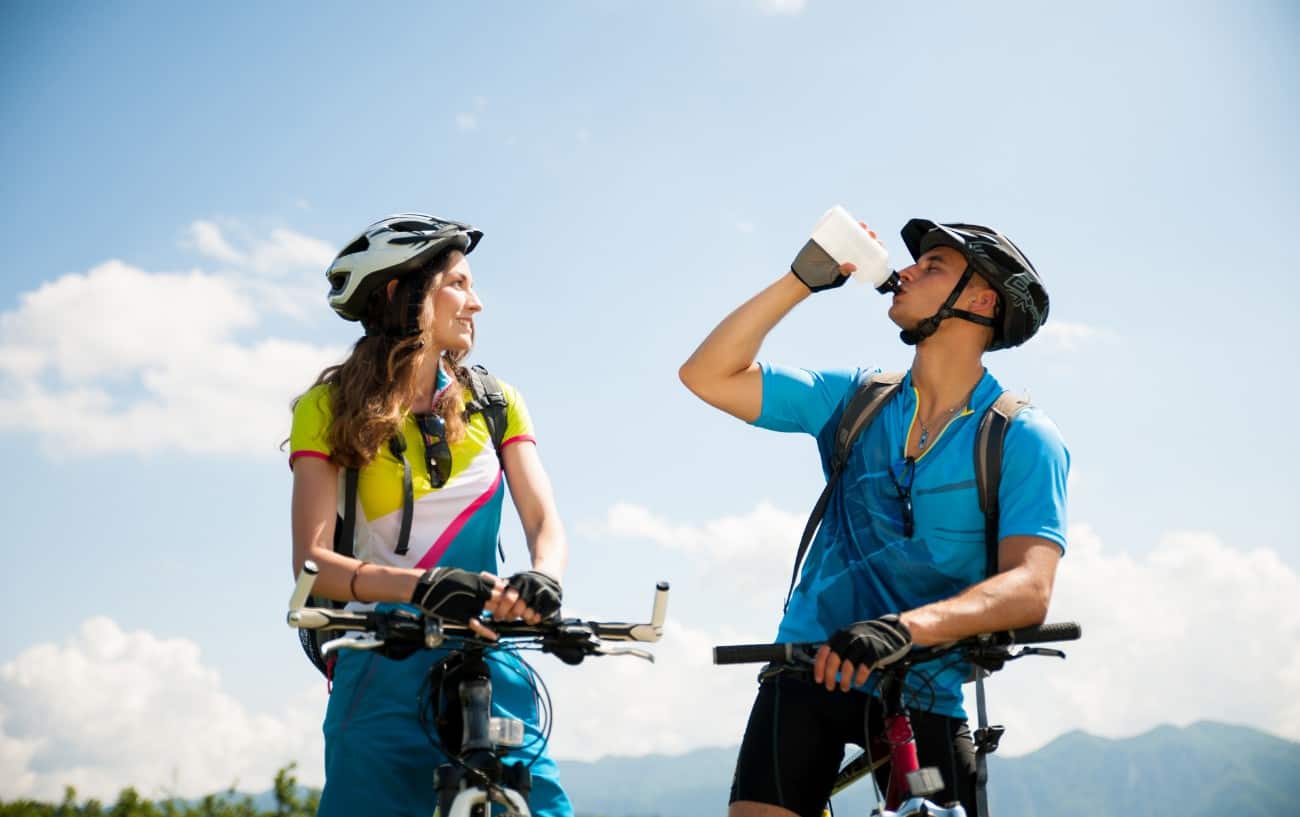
(750, 554)
(110, 708)
(680, 703)
(208, 239)
(282, 251)
(122, 359)
(288, 250)
(468, 120)
(1068, 337)
(790, 7)
(1194, 629)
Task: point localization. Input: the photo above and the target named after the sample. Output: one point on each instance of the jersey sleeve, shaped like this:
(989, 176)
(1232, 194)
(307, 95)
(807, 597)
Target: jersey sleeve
(801, 399)
(519, 425)
(308, 436)
(1035, 465)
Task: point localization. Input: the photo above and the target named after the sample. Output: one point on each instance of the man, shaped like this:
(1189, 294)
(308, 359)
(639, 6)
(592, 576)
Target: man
(899, 559)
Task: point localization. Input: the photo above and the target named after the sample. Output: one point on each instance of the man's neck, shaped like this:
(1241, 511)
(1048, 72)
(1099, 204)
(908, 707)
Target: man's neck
(945, 372)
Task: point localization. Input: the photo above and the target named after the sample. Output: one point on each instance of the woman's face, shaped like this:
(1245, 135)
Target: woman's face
(450, 308)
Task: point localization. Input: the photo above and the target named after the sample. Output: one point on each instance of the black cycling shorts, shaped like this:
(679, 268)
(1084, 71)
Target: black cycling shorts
(794, 745)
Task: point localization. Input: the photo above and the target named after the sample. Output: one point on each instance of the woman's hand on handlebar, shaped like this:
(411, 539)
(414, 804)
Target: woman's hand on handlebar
(459, 595)
(508, 604)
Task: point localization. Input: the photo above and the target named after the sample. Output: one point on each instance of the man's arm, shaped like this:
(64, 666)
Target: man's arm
(722, 371)
(1018, 596)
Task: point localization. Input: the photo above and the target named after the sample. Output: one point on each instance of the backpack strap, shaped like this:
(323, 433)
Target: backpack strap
(346, 527)
(989, 438)
(398, 446)
(490, 400)
(862, 408)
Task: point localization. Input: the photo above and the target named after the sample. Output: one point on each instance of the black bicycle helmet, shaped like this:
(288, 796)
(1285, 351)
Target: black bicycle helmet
(389, 249)
(1024, 302)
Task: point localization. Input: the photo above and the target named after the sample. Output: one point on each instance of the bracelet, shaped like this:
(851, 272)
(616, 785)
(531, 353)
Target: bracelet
(352, 584)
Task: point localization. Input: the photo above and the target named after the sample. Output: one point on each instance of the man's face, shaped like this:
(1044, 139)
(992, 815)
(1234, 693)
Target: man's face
(926, 285)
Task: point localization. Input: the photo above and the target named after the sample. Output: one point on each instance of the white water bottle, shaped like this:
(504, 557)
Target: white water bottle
(848, 242)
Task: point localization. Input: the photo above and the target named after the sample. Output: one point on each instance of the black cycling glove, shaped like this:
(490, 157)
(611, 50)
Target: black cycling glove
(872, 644)
(539, 591)
(816, 269)
(452, 593)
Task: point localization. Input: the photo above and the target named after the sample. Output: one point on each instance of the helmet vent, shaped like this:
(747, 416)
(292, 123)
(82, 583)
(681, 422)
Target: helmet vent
(414, 226)
(360, 245)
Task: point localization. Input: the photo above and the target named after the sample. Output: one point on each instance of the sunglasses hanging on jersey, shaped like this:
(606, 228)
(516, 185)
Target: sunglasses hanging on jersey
(437, 454)
(905, 493)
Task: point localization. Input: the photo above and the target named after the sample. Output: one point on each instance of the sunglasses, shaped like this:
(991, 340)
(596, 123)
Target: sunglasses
(437, 453)
(904, 493)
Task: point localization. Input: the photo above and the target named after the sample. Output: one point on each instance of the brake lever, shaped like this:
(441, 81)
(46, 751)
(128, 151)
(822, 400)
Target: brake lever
(357, 641)
(601, 649)
(1027, 651)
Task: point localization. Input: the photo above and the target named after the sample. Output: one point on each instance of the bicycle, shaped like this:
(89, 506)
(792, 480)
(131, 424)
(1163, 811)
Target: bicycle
(909, 786)
(477, 774)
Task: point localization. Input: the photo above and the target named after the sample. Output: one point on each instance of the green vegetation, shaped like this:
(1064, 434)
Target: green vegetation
(284, 800)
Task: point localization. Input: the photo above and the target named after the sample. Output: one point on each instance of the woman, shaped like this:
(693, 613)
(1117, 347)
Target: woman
(428, 508)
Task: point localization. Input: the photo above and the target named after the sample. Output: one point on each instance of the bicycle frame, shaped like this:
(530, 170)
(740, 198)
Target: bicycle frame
(897, 747)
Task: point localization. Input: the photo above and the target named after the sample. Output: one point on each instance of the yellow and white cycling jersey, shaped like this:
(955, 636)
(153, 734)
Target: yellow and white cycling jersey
(454, 526)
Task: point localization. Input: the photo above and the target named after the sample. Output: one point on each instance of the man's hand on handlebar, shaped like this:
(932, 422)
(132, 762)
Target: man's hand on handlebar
(854, 651)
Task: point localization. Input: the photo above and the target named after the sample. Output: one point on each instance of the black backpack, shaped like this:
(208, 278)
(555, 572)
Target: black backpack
(487, 399)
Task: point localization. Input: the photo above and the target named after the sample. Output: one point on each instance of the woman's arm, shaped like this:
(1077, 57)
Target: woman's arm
(530, 489)
(315, 509)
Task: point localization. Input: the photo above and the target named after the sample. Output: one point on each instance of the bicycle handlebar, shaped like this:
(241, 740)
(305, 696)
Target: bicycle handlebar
(401, 625)
(795, 652)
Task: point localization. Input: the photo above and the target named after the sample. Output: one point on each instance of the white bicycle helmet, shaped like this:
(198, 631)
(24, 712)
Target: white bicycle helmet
(389, 249)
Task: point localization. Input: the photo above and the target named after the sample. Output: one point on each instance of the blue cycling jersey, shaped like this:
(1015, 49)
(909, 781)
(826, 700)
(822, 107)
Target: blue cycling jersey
(860, 565)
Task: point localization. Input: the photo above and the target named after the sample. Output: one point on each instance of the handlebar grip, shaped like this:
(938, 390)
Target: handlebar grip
(1059, 631)
(753, 653)
(303, 587)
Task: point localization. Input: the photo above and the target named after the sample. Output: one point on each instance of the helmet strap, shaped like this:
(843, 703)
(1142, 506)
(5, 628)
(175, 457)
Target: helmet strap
(930, 325)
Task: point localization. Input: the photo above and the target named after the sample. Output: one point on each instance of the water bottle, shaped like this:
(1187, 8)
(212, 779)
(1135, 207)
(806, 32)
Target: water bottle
(847, 241)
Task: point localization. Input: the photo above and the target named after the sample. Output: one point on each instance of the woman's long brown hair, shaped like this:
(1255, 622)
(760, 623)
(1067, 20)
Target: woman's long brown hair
(374, 387)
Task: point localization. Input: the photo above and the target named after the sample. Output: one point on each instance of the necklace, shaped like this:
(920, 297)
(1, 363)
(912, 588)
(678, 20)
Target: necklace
(925, 429)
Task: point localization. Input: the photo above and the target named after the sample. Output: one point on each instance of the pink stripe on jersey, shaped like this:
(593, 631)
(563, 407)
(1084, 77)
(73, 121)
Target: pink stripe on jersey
(305, 453)
(520, 438)
(444, 541)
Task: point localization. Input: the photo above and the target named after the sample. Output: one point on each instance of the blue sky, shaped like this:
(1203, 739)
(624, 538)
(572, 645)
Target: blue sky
(177, 178)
